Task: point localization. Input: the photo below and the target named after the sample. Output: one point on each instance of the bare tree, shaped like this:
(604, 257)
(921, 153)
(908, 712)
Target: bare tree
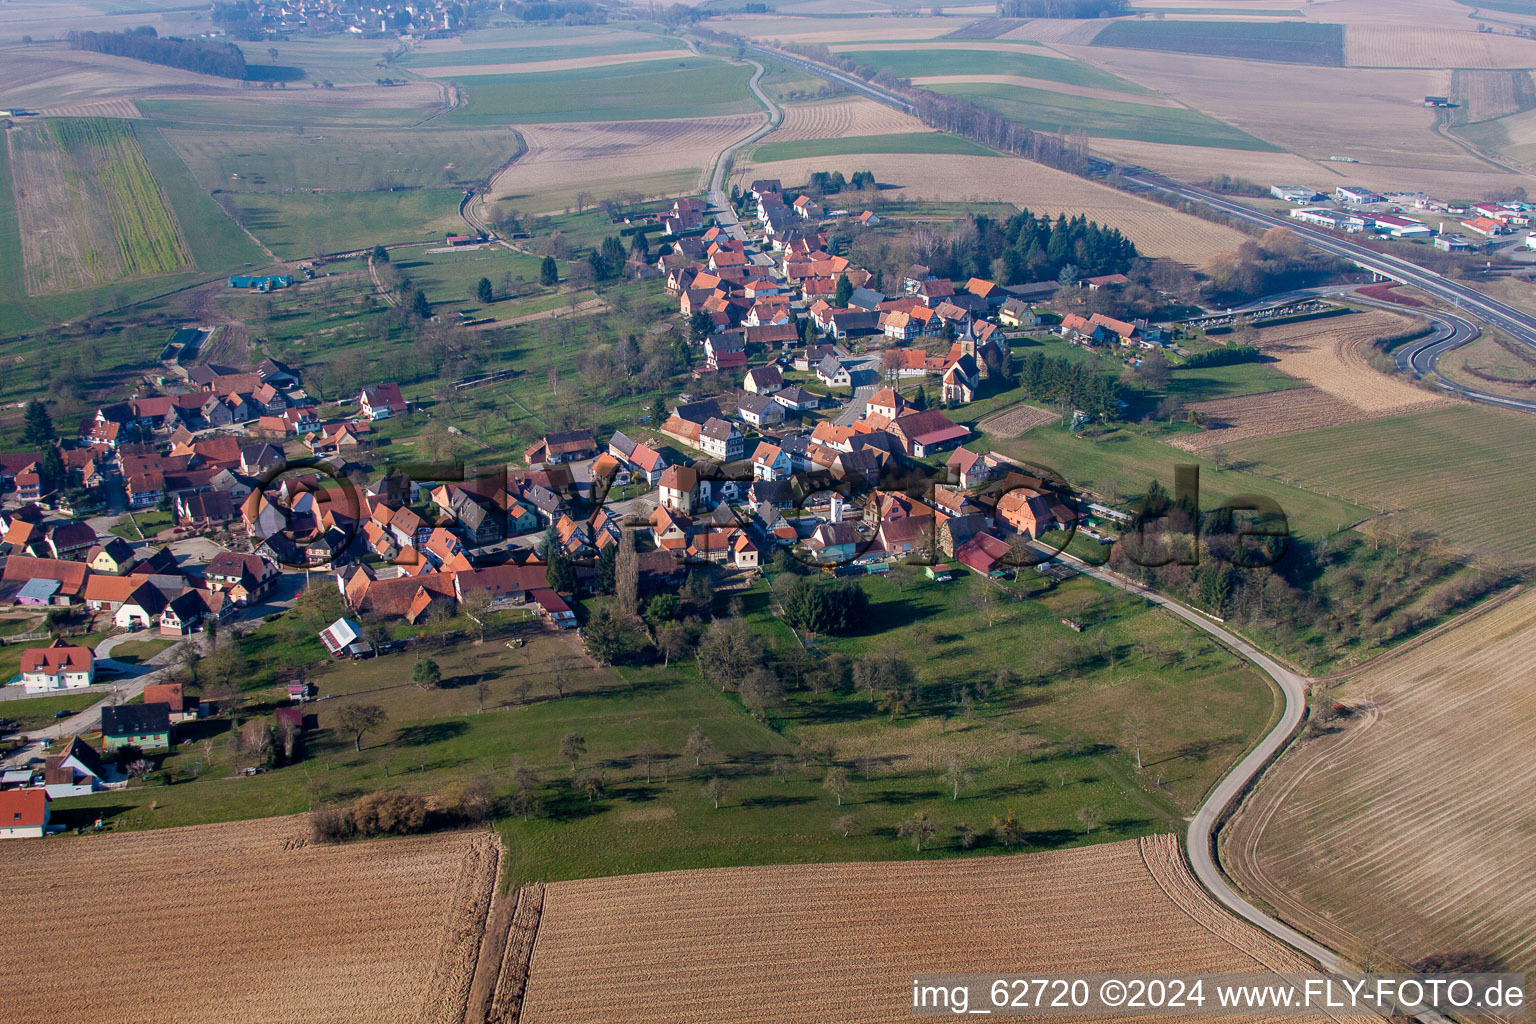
(626, 576)
(761, 692)
(836, 783)
(957, 775)
(1008, 830)
(648, 754)
(572, 747)
(780, 768)
(360, 718)
(522, 685)
(672, 639)
(698, 746)
(1135, 729)
(919, 828)
(846, 824)
(560, 679)
(1088, 817)
(482, 691)
(591, 783)
(714, 790)
(525, 786)
(966, 835)
(256, 741)
(477, 605)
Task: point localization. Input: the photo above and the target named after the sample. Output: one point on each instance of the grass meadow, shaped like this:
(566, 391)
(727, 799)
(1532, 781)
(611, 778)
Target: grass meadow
(1122, 463)
(470, 56)
(297, 225)
(1044, 110)
(1294, 42)
(343, 160)
(1436, 471)
(925, 63)
(687, 87)
(1043, 748)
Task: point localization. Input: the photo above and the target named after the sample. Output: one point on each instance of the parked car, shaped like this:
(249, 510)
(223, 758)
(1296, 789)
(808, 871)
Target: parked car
(63, 713)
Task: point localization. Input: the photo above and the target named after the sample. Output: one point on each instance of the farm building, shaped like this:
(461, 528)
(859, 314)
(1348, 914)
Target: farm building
(263, 283)
(344, 638)
(23, 814)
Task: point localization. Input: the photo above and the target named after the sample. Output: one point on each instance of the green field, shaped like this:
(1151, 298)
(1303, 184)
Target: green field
(531, 54)
(687, 87)
(1477, 453)
(1291, 42)
(902, 142)
(12, 281)
(932, 62)
(1044, 745)
(37, 712)
(271, 113)
(216, 243)
(298, 225)
(1205, 383)
(343, 161)
(1048, 111)
(1123, 463)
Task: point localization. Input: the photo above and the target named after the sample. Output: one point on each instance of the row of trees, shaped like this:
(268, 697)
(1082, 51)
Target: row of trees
(823, 183)
(203, 56)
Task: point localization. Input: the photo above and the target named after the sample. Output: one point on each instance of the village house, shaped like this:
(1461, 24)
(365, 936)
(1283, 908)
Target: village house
(831, 372)
(562, 446)
(381, 402)
(77, 770)
(759, 410)
(59, 666)
(146, 726)
(23, 814)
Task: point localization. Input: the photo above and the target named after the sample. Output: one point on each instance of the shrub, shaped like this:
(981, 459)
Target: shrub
(392, 812)
(331, 824)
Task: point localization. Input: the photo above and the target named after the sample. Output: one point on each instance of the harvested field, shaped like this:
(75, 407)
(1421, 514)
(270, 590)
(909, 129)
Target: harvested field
(1385, 126)
(280, 929)
(781, 943)
(564, 156)
(820, 30)
(38, 76)
(1333, 354)
(1292, 41)
(94, 108)
(90, 211)
(1156, 230)
(1406, 830)
(1057, 30)
(1018, 421)
(841, 119)
(1227, 420)
(1411, 46)
(1485, 95)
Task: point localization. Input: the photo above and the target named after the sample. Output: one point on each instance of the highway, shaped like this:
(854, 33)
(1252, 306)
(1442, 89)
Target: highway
(1518, 325)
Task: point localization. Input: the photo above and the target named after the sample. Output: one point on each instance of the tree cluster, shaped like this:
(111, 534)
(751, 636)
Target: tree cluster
(1068, 383)
(225, 60)
(1277, 261)
(836, 608)
(823, 183)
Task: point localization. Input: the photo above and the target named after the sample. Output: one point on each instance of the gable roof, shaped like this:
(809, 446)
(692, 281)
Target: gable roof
(135, 719)
(23, 808)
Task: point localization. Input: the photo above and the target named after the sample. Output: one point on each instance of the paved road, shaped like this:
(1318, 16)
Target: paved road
(1518, 325)
(1229, 791)
(718, 198)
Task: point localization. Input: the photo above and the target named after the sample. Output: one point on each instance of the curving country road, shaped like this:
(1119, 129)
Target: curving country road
(718, 199)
